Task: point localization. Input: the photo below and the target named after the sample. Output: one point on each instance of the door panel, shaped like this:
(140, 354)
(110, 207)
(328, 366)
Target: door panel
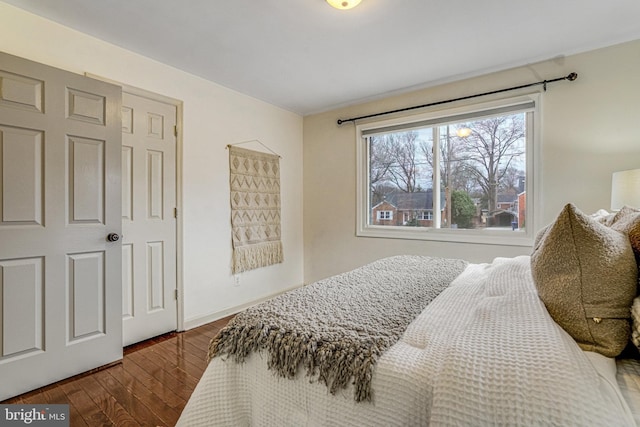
(21, 160)
(86, 180)
(127, 281)
(86, 290)
(60, 154)
(22, 308)
(155, 276)
(127, 183)
(155, 190)
(149, 227)
(21, 92)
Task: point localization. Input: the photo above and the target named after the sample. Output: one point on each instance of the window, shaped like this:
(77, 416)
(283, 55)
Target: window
(382, 215)
(425, 215)
(464, 174)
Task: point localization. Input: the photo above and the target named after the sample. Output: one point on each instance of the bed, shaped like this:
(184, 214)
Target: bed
(492, 345)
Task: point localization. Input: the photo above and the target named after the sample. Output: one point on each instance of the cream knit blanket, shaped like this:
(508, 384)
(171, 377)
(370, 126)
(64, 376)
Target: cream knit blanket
(337, 328)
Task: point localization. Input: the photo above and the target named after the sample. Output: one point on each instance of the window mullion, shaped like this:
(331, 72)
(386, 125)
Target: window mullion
(437, 209)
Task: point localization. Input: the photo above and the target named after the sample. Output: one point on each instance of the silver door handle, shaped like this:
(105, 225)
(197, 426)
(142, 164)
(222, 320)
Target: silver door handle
(113, 237)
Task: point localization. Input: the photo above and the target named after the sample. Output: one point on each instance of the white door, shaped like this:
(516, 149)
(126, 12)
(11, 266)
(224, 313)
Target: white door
(149, 305)
(60, 197)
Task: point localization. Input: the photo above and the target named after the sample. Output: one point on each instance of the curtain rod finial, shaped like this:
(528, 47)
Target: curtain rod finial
(571, 77)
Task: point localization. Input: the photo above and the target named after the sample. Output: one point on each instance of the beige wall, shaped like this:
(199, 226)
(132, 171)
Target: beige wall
(213, 117)
(589, 130)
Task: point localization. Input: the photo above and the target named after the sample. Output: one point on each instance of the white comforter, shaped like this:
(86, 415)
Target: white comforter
(484, 352)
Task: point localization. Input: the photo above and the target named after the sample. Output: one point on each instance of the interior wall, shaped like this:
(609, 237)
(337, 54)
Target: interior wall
(588, 132)
(213, 117)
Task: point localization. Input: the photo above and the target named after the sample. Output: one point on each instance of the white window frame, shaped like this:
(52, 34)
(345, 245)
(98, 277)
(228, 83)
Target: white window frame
(380, 218)
(425, 216)
(482, 236)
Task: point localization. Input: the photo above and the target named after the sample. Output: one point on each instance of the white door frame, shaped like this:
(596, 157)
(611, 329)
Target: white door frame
(179, 224)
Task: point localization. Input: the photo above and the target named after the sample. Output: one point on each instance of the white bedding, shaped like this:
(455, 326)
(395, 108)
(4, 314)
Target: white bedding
(628, 377)
(484, 352)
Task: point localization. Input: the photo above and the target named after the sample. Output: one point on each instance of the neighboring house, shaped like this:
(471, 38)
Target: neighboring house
(506, 201)
(505, 213)
(510, 208)
(401, 208)
(384, 213)
(522, 204)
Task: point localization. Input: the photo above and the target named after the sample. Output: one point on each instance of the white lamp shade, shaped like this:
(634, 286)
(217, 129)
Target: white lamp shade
(344, 4)
(625, 189)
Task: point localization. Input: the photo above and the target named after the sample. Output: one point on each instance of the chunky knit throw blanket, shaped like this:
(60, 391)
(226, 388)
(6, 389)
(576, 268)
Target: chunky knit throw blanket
(338, 327)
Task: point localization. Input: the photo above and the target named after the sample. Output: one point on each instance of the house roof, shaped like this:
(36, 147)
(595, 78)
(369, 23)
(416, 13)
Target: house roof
(507, 198)
(419, 200)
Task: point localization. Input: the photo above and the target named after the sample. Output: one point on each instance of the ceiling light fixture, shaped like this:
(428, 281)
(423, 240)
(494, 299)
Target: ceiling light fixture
(344, 4)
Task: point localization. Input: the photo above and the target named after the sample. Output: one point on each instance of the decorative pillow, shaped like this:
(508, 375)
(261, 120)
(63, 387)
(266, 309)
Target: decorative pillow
(627, 220)
(586, 275)
(603, 217)
(635, 322)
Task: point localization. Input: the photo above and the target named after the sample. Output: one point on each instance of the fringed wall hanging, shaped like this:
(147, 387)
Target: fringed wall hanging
(255, 209)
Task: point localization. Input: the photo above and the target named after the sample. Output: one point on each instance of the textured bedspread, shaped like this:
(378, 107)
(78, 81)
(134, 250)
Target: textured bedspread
(484, 352)
(337, 328)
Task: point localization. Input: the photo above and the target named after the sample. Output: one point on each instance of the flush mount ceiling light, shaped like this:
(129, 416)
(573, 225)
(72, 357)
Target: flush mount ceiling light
(344, 4)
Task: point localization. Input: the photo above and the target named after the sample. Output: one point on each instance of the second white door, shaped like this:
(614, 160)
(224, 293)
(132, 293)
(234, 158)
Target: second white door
(149, 299)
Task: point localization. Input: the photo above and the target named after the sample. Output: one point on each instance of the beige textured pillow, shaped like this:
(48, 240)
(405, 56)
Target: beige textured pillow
(586, 275)
(627, 220)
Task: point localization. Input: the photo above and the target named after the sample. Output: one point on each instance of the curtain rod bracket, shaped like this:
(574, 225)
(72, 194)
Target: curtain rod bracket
(570, 77)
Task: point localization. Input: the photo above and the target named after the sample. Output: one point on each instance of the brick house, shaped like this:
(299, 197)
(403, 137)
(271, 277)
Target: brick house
(401, 208)
(416, 209)
(384, 213)
(506, 213)
(522, 204)
(510, 207)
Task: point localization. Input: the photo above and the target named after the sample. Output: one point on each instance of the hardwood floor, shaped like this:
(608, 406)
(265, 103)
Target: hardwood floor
(149, 388)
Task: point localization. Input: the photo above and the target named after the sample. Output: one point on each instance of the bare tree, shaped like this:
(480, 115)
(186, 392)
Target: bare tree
(511, 179)
(395, 159)
(454, 168)
(493, 149)
(380, 160)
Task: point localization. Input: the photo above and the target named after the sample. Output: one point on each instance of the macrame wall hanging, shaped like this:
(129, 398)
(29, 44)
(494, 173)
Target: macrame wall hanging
(255, 208)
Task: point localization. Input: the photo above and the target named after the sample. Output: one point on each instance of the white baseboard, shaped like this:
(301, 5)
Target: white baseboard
(211, 317)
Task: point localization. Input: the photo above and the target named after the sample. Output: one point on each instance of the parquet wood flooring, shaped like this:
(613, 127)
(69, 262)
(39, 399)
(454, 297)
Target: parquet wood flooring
(149, 388)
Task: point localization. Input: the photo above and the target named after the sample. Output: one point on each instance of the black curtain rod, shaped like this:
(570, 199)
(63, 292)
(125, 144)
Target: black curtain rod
(571, 77)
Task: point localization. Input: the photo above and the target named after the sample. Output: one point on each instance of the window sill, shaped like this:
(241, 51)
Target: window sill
(504, 237)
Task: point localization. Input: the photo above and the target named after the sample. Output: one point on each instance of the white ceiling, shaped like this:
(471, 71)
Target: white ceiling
(306, 57)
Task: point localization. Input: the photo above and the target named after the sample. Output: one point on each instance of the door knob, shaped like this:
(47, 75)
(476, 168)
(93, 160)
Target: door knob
(113, 237)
